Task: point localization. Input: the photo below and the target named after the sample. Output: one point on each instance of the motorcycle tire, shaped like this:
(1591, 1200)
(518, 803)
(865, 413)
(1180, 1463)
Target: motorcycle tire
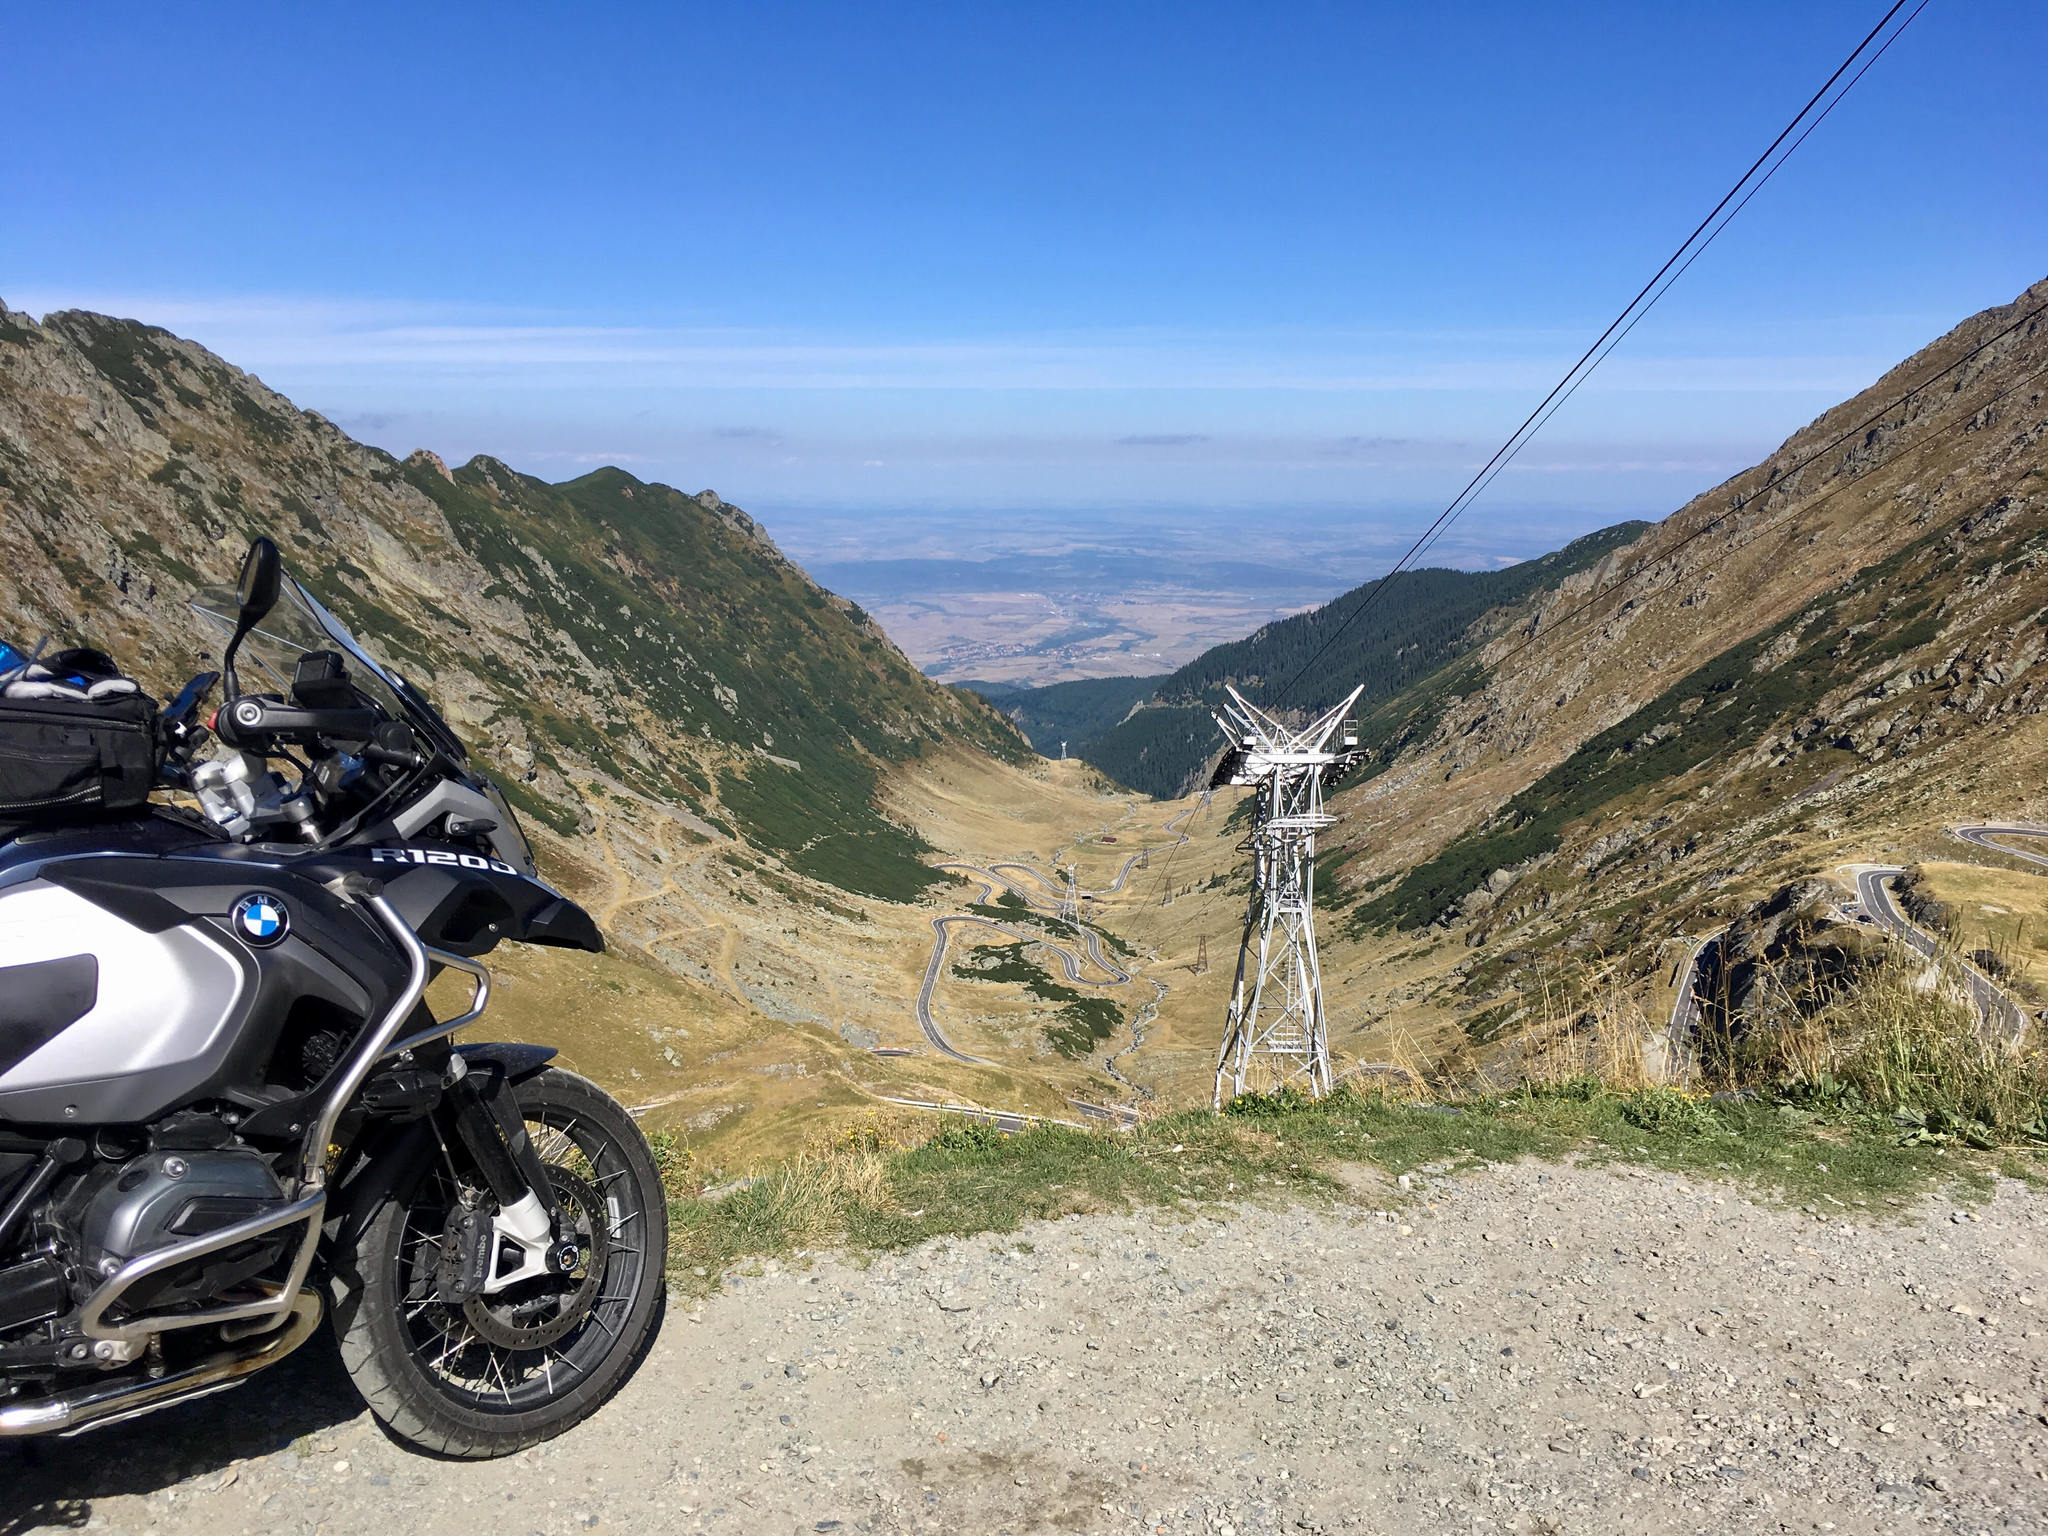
(500, 1373)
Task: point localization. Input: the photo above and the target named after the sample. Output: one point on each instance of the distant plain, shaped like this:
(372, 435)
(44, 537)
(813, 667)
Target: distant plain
(1030, 597)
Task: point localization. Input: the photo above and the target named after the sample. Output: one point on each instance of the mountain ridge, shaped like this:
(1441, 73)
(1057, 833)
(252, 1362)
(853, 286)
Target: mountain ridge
(1825, 658)
(1161, 742)
(604, 625)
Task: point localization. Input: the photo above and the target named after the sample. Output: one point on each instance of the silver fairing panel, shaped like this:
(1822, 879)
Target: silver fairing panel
(159, 1027)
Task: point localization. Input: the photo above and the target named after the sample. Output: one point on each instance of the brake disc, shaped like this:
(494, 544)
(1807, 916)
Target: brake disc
(538, 1312)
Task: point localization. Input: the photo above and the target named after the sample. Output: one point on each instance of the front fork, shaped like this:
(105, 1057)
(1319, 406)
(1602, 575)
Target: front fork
(527, 1237)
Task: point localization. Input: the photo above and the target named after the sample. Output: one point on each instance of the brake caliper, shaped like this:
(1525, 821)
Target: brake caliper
(466, 1243)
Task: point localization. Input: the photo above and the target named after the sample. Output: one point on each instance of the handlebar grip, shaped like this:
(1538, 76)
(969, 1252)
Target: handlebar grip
(376, 754)
(256, 721)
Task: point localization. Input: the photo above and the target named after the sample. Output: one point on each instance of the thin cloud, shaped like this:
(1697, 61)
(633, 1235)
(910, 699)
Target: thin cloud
(468, 345)
(1162, 439)
(748, 435)
(1344, 447)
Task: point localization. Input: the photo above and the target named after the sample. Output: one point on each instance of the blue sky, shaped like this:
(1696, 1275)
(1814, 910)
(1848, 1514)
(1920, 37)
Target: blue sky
(1059, 257)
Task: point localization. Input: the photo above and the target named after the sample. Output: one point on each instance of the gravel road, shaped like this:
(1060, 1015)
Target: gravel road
(1526, 1349)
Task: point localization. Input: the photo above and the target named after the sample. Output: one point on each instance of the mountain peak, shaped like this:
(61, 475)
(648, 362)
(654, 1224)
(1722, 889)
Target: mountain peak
(431, 460)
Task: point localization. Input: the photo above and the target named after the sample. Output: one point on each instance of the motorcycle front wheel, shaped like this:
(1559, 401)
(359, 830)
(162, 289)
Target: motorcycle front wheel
(498, 1373)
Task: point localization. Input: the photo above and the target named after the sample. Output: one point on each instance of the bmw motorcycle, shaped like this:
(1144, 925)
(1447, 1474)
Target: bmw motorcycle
(226, 1109)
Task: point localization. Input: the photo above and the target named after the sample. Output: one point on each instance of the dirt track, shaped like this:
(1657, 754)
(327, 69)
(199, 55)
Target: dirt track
(1519, 1349)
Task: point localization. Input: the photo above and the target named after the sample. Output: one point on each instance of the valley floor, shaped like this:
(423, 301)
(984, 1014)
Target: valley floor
(1523, 1347)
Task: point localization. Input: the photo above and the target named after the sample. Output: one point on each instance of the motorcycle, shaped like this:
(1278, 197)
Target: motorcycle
(226, 1108)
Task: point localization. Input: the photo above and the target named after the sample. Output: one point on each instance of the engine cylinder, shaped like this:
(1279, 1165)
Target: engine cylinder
(161, 1197)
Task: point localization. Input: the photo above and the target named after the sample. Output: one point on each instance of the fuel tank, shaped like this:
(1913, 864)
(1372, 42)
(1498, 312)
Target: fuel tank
(142, 976)
(145, 970)
(101, 1020)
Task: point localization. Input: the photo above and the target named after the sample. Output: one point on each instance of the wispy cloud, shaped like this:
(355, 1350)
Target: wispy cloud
(766, 435)
(1162, 439)
(448, 343)
(1347, 447)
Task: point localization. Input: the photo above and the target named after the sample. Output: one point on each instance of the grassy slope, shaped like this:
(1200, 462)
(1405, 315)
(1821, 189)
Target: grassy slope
(602, 625)
(1894, 749)
(1078, 1022)
(677, 605)
(1428, 619)
(868, 1189)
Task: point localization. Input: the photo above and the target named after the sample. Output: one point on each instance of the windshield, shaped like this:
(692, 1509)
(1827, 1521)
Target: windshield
(300, 623)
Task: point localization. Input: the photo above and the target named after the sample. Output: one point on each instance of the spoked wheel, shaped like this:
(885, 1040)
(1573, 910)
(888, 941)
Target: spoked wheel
(495, 1373)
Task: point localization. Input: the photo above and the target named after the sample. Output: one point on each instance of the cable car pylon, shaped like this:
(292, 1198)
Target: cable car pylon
(1274, 1034)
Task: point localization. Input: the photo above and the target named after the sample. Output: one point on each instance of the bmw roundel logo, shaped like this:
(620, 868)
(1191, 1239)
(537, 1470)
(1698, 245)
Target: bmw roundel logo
(261, 918)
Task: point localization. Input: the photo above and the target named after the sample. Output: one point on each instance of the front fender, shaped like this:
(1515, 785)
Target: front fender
(517, 1062)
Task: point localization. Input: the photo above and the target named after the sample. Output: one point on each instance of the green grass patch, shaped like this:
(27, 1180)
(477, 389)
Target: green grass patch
(968, 1178)
(1009, 907)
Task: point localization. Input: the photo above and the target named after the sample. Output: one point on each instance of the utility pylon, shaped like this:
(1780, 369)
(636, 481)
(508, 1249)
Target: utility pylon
(1070, 904)
(1274, 1034)
(1201, 965)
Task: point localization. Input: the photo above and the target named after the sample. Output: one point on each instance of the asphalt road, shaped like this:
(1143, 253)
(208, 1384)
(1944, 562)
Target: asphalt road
(1984, 837)
(1996, 1009)
(1055, 890)
(1047, 895)
(1009, 1121)
(1685, 1012)
(991, 877)
(935, 967)
(932, 969)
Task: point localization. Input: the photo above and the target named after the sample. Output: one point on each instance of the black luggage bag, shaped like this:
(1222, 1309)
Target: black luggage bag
(64, 760)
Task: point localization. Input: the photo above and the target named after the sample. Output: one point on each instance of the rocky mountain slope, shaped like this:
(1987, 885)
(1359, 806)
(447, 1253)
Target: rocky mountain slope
(716, 756)
(603, 627)
(1824, 659)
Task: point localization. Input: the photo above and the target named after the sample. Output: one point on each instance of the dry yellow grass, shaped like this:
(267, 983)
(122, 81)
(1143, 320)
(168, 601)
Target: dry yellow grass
(1999, 911)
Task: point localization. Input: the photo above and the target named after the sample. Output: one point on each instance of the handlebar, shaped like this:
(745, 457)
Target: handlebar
(255, 722)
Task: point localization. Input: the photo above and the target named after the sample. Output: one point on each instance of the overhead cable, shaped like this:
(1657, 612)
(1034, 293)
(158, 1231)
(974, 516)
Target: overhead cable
(1698, 250)
(1688, 250)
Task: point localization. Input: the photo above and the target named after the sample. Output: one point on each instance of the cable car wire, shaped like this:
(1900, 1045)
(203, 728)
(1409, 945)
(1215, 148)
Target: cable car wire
(1698, 251)
(1594, 354)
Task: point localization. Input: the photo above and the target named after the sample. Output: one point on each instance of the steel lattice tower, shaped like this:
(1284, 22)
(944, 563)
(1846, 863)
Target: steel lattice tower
(1274, 1034)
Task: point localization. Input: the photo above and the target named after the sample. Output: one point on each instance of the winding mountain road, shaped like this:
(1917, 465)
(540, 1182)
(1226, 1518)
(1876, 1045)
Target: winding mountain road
(1055, 891)
(1046, 896)
(1686, 1010)
(1983, 837)
(1998, 1011)
(935, 967)
(1010, 1122)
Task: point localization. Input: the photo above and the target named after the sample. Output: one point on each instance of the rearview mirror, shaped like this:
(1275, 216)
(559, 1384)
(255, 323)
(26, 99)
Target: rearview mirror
(257, 592)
